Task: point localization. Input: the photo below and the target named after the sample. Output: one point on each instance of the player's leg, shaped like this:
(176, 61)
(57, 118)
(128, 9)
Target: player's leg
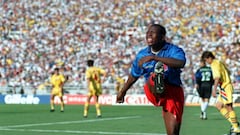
(159, 78)
(207, 91)
(173, 108)
(60, 95)
(154, 87)
(233, 118)
(171, 124)
(172, 105)
(204, 107)
(97, 105)
(61, 103)
(150, 91)
(224, 105)
(201, 92)
(230, 115)
(201, 106)
(151, 96)
(86, 106)
(52, 102)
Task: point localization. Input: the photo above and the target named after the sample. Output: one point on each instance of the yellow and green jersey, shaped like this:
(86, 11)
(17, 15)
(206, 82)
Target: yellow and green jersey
(57, 80)
(93, 74)
(220, 71)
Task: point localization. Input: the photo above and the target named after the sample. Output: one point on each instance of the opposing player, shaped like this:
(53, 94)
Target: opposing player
(119, 83)
(204, 83)
(160, 63)
(223, 82)
(57, 80)
(94, 82)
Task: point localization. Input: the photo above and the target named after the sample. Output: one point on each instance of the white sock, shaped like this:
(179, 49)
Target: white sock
(202, 106)
(205, 105)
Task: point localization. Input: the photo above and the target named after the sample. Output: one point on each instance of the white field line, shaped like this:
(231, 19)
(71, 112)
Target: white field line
(80, 132)
(9, 128)
(69, 122)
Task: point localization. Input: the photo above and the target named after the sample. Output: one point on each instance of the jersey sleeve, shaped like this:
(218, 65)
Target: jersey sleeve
(63, 78)
(136, 71)
(51, 80)
(178, 53)
(102, 71)
(88, 74)
(215, 70)
(198, 77)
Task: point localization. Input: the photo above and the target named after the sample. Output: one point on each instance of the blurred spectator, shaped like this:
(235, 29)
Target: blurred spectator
(38, 35)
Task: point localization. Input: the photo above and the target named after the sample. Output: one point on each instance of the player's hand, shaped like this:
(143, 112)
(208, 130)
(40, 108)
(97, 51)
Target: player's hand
(120, 97)
(214, 93)
(144, 60)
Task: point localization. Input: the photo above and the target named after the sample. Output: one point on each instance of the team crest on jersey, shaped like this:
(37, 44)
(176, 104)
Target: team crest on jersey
(148, 66)
(165, 67)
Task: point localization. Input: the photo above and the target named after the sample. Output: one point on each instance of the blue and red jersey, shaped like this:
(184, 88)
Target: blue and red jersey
(171, 75)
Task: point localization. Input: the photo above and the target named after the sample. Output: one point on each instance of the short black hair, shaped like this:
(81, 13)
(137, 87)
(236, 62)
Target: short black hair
(203, 61)
(207, 54)
(90, 62)
(161, 29)
(56, 69)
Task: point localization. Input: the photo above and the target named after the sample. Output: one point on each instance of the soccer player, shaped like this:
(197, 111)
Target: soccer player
(204, 82)
(94, 83)
(223, 82)
(57, 80)
(119, 83)
(160, 63)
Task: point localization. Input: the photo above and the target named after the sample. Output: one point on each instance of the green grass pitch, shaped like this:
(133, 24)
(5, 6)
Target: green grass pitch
(116, 120)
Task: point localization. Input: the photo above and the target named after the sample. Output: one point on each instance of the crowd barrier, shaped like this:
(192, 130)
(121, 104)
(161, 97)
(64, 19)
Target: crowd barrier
(71, 99)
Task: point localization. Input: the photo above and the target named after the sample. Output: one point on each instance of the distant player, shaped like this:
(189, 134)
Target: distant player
(119, 83)
(223, 82)
(204, 82)
(94, 83)
(57, 80)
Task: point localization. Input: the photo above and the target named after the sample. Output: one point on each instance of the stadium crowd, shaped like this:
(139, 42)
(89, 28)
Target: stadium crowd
(38, 35)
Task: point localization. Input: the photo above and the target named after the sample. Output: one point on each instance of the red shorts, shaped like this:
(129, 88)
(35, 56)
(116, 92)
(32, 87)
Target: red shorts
(172, 99)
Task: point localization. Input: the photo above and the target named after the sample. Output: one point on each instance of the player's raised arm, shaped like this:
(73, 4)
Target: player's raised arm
(121, 94)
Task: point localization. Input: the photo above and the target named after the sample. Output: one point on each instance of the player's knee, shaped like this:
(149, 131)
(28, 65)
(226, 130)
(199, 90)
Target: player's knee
(219, 106)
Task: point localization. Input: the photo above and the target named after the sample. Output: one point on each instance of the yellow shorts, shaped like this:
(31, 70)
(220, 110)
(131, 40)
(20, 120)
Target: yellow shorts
(95, 92)
(225, 94)
(57, 92)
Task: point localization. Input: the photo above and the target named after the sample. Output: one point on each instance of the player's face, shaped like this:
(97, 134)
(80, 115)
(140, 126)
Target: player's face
(208, 60)
(152, 35)
(56, 72)
(154, 38)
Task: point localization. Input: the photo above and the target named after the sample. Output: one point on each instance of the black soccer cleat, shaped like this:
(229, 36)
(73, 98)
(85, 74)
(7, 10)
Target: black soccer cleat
(158, 80)
(234, 132)
(99, 116)
(52, 110)
(204, 116)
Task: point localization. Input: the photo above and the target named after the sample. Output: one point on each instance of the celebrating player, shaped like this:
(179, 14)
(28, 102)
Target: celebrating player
(160, 63)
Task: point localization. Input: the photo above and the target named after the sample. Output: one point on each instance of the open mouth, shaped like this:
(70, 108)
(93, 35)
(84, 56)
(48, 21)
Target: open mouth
(149, 41)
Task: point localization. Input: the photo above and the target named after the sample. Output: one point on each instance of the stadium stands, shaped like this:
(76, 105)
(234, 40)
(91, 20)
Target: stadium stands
(38, 35)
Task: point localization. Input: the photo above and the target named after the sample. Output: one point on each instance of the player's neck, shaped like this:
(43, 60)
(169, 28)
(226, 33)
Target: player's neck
(154, 52)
